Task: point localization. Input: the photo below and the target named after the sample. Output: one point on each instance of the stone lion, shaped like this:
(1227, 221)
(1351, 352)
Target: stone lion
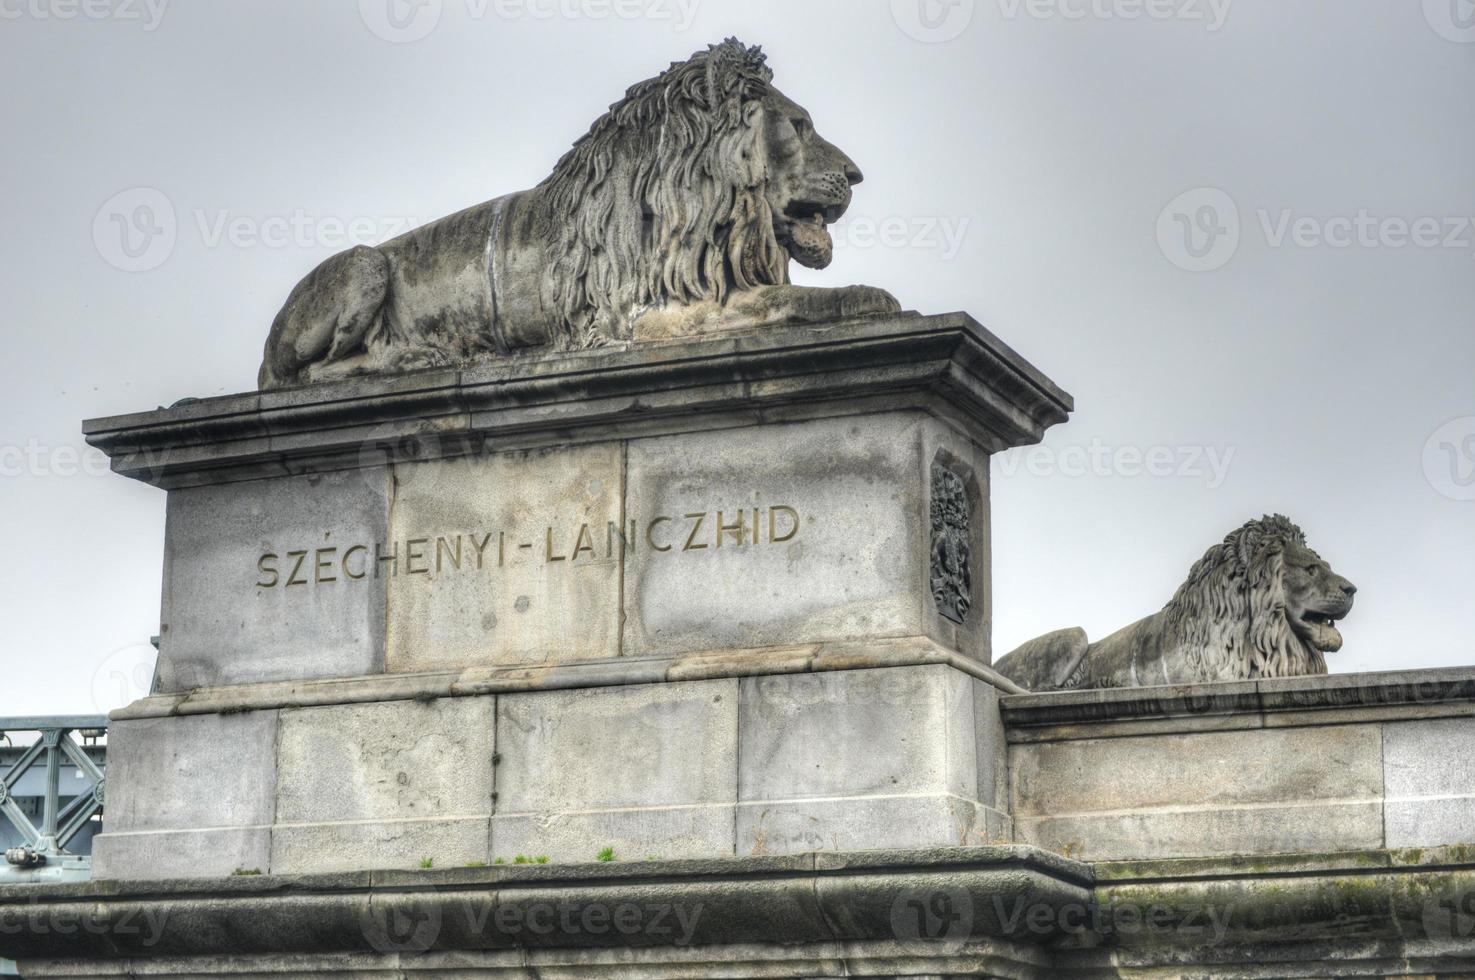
(1261, 604)
(678, 213)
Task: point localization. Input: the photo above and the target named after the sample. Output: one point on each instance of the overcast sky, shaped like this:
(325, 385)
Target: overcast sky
(1239, 232)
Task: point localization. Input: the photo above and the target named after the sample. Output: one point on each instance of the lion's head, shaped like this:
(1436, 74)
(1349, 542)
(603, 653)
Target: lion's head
(1261, 604)
(702, 181)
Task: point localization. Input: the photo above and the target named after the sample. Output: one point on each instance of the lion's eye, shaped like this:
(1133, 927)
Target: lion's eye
(801, 126)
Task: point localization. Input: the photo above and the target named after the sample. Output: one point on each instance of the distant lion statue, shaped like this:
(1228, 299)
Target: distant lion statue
(1261, 604)
(676, 214)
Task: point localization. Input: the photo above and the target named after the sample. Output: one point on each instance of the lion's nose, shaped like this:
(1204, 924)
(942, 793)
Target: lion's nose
(853, 174)
(1348, 588)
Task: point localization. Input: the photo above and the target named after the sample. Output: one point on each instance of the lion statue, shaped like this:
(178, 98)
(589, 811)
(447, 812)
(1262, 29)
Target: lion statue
(677, 214)
(1261, 604)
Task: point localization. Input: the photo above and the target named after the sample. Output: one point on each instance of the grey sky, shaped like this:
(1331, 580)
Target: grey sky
(1026, 161)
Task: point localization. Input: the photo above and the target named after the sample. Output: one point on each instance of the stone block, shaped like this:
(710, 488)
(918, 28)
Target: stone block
(507, 559)
(647, 769)
(273, 580)
(190, 796)
(635, 833)
(1429, 776)
(859, 759)
(866, 823)
(858, 733)
(825, 538)
(211, 853)
(1257, 791)
(384, 785)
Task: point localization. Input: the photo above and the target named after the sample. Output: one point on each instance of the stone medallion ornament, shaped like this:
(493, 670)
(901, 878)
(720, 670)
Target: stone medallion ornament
(952, 580)
(678, 214)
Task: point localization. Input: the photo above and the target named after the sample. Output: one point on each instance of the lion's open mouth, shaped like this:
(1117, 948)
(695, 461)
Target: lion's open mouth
(803, 230)
(1323, 633)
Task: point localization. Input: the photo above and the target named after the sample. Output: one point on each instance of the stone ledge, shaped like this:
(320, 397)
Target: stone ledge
(949, 365)
(1285, 702)
(712, 665)
(1031, 914)
(805, 899)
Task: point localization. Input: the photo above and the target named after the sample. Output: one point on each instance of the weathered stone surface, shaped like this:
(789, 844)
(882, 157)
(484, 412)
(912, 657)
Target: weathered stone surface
(826, 537)
(647, 770)
(680, 917)
(233, 615)
(1214, 628)
(1429, 777)
(189, 797)
(521, 561)
(384, 785)
(893, 757)
(625, 222)
(1236, 792)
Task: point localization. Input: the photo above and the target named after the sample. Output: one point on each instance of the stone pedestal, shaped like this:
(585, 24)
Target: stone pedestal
(718, 597)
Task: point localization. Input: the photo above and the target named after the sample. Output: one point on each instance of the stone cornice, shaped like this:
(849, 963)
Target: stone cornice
(479, 681)
(948, 365)
(1322, 700)
(805, 898)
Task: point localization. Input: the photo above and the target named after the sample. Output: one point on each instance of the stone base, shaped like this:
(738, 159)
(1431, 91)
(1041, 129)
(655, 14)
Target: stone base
(1014, 912)
(734, 764)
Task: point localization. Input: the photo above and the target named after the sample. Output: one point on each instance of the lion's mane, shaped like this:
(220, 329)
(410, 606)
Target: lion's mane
(663, 200)
(1230, 615)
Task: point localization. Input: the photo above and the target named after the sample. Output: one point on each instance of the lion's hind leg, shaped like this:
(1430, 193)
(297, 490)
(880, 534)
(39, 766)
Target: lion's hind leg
(328, 316)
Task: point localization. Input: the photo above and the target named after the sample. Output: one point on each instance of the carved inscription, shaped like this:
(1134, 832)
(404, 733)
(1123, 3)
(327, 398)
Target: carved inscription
(952, 576)
(550, 545)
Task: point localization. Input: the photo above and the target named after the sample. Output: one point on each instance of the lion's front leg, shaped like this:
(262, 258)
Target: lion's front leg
(766, 306)
(810, 304)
